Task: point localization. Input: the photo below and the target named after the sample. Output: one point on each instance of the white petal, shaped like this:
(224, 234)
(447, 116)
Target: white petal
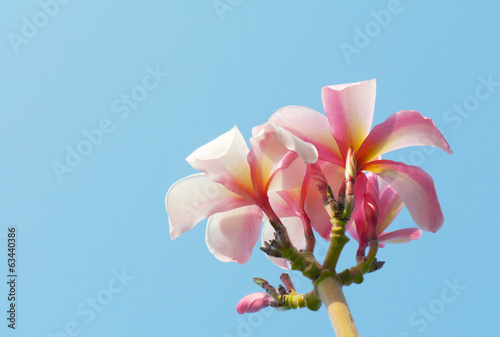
(305, 150)
(232, 235)
(194, 198)
(224, 160)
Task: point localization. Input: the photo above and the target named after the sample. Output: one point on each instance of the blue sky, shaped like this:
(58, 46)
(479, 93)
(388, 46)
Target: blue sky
(136, 87)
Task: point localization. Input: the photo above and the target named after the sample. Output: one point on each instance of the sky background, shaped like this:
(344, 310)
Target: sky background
(98, 229)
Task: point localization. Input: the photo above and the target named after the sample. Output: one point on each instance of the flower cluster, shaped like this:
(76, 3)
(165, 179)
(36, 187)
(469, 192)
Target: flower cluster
(295, 178)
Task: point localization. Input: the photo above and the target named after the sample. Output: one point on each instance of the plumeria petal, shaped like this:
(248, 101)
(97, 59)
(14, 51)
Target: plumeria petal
(266, 156)
(232, 235)
(353, 231)
(298, 196)
(390, 205)
(359, 195)
(295, 231)
(292, 199)
(349, 108)
(224, 160)
(320, 220)
(290, 178)
(400, 236)
(366, 215)
(306, 151)
(416, 189)
(253, 303)
(310, 126)
(334, 174)
(402, 129)
(195, 198)
(274, 149)
(279, 206)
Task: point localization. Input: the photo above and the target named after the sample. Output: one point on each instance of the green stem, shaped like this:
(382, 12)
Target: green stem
(338, 240)
(329, 289)
(372, 252)
(364, 266)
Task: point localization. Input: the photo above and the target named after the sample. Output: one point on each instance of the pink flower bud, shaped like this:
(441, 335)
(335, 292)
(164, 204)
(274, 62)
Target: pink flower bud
(350, 165)
(253, 303)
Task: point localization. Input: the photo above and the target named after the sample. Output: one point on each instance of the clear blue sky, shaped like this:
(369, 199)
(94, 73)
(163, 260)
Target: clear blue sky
(136, 87)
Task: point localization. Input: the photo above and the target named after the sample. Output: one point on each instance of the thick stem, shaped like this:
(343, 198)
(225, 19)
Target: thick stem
(329, 289)
(338, 239)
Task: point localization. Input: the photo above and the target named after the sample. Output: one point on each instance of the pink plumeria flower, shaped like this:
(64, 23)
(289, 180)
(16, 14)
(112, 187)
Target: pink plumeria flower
(349, 113)
(253, 303)
(380, 206)
(233, 189)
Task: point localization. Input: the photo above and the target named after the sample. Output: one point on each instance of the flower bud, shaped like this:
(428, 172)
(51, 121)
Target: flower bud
(253, 303)
(350, 165)
(346, 193)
